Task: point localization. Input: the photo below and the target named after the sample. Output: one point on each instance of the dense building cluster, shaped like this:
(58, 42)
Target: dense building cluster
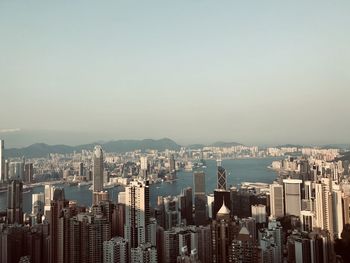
(303, 216)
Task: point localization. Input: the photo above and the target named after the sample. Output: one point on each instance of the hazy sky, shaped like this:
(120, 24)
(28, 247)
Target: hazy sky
(195, 71)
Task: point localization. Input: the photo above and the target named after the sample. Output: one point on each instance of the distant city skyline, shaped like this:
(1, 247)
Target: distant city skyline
(194, 71)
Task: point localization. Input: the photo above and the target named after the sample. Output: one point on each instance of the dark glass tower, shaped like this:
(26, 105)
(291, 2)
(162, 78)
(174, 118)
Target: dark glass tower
(15, 202)
(200, 216)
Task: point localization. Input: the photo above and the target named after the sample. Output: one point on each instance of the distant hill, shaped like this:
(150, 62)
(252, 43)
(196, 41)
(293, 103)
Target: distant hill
(225, 144)
(196, 146)
(42, 150)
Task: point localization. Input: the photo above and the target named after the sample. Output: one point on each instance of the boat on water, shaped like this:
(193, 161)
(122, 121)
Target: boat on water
(84, 183)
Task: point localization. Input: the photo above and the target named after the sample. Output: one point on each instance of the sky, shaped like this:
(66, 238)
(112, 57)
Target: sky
(196, 71)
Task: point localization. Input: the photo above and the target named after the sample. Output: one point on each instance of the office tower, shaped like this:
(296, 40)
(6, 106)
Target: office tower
(170, 246)
(119, 219)
(204, 244)
(15, 202)
(271, 241)
(13, 243)
(48, 193)
(324, 205)
(115, 250)
(144, 167)
(176, 240)
(2, 162)
(221, 175)
(137, 213)
(244, 248)
(223, 230)
(250, 224)
(6, 170)
(276, 200)
(220, 196)
(337, 212)
(306, 220)
(292, 196)
(171, 212)
(210, 205)
(346, 209)
(144, 253)
(200, 217)
(186, 205)
(99, 197)
(172, 165)
(38, 202)
(259, 213)
(16, 171)
(81, 169)
(29, 172)
(97, 169)
(58, 203)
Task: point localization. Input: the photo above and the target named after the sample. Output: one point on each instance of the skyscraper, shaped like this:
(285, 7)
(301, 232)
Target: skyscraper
(221, 174)
(97, 171)
(292, 196)
(144, 167)
(223, 230)
(2, 162)
(137, 213)
(276, 200)
(15, 202)
(28, 172)
(324, 205)
(186, 205)
(200, 199)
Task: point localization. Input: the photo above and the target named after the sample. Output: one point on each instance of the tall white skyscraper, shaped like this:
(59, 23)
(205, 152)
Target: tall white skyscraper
(276, 200)
(2, 162)
(337, 212)
(97, 159)
(137, 213)
(292, 196)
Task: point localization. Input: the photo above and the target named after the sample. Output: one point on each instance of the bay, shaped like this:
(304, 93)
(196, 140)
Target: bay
(237, 171)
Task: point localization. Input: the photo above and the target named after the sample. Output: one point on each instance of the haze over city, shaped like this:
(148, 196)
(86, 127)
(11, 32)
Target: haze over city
(194, 71)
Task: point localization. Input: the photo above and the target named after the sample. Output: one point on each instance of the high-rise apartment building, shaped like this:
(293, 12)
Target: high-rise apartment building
(324, 205)
(137, 213)
(116, 250)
